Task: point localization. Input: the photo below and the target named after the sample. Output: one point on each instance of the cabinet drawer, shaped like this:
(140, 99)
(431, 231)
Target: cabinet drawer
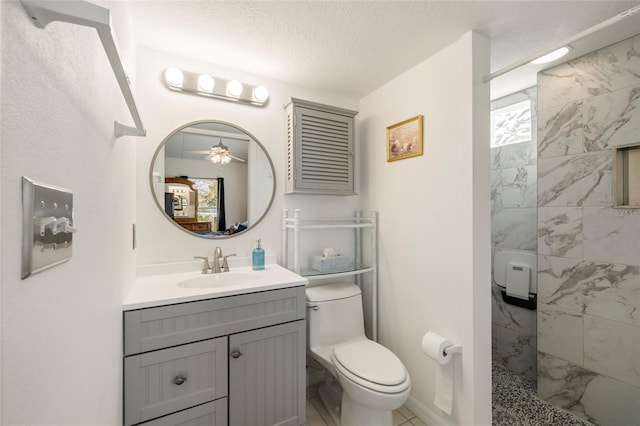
(164, 326)
(154, 384)
(212, 413)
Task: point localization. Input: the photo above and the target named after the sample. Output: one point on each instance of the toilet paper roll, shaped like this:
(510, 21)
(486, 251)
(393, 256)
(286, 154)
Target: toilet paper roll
(433, 346)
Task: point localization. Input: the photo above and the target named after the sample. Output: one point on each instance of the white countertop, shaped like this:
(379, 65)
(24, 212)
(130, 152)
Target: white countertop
(151, 289)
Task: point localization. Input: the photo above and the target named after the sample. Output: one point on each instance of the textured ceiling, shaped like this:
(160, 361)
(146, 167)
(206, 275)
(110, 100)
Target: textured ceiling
(353, 47)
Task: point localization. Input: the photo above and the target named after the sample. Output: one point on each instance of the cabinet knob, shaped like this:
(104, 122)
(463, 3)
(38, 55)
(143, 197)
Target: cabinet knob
(179, 380)
(236, 354)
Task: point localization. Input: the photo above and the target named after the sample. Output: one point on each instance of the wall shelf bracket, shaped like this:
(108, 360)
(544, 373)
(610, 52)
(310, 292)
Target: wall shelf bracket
(91, 15)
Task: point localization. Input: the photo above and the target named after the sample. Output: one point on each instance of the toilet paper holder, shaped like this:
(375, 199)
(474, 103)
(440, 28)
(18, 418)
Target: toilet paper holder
(450, 350)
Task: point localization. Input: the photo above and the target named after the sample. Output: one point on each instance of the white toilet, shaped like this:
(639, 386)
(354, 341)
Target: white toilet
(374, 381)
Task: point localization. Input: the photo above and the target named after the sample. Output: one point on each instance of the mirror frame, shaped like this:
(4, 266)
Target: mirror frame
(173, 222)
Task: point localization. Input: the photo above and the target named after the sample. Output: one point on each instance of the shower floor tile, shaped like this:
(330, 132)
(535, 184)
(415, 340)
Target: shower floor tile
(515, 403)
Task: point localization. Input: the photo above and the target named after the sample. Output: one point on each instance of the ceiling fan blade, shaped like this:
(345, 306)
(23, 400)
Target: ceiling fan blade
(237, 159)
(199, 152)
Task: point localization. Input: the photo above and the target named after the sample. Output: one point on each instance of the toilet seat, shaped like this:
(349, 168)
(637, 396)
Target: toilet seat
(372, 366)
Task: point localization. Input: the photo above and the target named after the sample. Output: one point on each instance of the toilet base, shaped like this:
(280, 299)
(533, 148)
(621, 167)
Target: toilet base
(354, 414)
(331, 396)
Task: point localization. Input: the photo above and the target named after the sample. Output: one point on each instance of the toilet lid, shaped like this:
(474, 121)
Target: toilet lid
(372, 362)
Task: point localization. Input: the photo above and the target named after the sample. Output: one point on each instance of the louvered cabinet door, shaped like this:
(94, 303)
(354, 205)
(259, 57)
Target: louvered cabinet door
(267, 376)
(320, 149)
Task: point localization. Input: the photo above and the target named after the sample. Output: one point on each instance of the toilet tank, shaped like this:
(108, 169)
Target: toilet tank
(334, 314)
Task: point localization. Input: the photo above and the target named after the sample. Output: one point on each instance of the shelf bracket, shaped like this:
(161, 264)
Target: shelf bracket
(91, 15)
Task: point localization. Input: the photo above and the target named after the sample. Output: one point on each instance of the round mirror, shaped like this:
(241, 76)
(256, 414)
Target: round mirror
(212, 179)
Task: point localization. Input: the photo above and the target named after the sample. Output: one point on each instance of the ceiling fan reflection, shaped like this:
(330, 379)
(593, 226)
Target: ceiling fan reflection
(219, 154)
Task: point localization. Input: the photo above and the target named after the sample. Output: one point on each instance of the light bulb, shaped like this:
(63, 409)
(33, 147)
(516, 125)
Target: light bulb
(234, 88)
(550, 57)
(220, 159)
(206, 83)
(260, 94)
(174, 77)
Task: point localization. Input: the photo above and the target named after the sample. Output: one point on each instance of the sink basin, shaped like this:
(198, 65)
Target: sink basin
(223, 279)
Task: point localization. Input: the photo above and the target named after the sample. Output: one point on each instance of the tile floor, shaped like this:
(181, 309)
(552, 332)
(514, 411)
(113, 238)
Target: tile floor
(515, 403)
(317, 415)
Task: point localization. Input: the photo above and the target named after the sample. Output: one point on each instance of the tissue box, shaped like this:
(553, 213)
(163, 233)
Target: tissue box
(330, 263)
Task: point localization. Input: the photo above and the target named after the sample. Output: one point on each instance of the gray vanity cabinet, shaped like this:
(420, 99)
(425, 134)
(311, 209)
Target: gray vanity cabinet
(169, 380)
(237, 360)
(213, 413)
(263, 388)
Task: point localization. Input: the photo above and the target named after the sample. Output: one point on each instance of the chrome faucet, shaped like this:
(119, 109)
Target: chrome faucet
(217, 255)
(216, 267)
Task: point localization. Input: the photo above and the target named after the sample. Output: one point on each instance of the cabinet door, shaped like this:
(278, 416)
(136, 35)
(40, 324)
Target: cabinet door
(320, 147)
(267, 376)
(169, 380)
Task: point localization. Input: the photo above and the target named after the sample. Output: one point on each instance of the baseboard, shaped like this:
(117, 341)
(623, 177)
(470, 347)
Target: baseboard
(424, 414)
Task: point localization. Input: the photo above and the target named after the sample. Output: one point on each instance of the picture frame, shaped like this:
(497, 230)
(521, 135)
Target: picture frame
(404, 139)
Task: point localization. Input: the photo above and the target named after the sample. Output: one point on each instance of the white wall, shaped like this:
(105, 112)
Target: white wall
(434, 223)
(1, 9)
(163, 111)
(260, 182)
(62, 328)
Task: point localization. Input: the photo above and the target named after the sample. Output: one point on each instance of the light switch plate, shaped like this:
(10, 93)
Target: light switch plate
(47, 232)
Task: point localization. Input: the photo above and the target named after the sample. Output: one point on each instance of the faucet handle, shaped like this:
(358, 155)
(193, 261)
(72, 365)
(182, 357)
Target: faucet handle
(225, 265)
(205, 265)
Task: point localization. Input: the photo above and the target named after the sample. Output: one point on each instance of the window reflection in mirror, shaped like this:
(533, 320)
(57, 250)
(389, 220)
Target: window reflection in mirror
(227, 173)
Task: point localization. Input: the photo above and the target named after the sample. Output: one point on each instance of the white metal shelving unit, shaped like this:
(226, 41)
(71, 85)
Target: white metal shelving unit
(357, 223)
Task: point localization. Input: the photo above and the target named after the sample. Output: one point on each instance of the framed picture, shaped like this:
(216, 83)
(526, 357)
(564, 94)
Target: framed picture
(404, 139)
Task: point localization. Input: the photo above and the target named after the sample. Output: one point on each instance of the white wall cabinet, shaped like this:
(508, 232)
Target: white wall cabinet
(292, 260)
(234, 360)
(320, 149)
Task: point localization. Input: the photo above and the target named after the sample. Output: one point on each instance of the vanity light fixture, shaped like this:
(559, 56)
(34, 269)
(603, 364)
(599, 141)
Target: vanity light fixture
(206, 83)
(552, 56)
(173, 77)
(260, 94)
(214, 87)
(234, 88)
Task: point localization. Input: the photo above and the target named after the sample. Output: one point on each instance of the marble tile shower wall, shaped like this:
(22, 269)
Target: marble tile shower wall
(514, 228)
(588, 253)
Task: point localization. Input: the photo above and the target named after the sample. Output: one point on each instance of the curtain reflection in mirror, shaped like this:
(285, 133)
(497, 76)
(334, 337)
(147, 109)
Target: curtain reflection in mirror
(222, 222)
